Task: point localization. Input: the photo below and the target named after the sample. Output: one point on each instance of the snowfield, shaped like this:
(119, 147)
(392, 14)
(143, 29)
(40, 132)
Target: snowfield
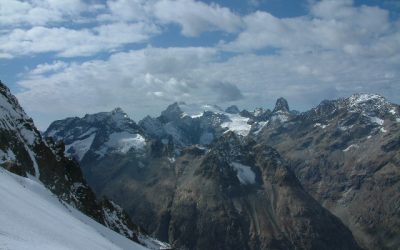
(31, 217)
(237, 124)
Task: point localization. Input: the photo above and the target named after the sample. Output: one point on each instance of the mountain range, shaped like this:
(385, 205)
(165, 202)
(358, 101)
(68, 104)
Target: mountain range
(203, 177)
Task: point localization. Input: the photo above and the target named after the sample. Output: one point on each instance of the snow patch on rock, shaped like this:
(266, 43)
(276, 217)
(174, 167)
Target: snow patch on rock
(280, 116)
(34, 162)
(153, 243)
(377, 120)
(352, 146)
(320, 125)
(7, 156)
(195, 110)
(344, 128)
(259, 126)
(362, 98)
(28, 135)
(112, 219)
(122, 142)
(237, 124)
(244, 173)
(80, 147)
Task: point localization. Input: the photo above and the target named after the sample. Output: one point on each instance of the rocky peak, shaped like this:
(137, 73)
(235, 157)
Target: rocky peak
(152, 126)
(366, 103)
(116, 115)
(262, 114)
(9, 104)
(359, 98)
(281, 112)
(232, 110)
(120, 117)
(371, 106)
(323, 110)
(281, 105)
(172, 112)
(117, 110)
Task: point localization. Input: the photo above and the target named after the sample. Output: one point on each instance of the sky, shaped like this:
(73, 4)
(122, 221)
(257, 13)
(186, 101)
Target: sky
(65, 58)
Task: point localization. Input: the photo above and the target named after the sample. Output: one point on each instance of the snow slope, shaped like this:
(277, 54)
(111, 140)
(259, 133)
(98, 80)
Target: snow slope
(31, 217)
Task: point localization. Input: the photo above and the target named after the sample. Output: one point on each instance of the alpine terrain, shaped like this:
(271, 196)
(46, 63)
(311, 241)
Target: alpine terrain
(203, 177)
(49, 204)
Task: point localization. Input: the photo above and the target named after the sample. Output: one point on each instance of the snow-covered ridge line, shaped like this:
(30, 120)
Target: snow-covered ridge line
(362, 98)
(18, 123)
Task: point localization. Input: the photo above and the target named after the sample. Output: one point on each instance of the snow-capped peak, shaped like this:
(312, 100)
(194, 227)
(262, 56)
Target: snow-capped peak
(358, 99)
(370, 104)
(99, 133)
(117, 116)
(172, 112)
(14, 120)
(182, 109)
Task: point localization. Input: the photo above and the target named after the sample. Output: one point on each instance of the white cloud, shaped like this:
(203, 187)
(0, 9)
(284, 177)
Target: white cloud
(48, 68)
(196, 17)
(70, 42)
(125, 78)
(146, 81)
(329, 9)
(68, 28)
(331, 25)
(128, 10)
(39, 12)
(56, 26)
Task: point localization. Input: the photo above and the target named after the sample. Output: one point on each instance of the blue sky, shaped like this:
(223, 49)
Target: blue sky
(70, 57)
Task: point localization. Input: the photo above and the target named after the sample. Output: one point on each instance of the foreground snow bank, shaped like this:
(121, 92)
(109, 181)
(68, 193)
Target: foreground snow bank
(31, 217)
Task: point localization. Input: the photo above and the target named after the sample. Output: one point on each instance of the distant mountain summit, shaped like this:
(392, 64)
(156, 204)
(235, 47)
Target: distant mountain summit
(281, 105)
(98, 134)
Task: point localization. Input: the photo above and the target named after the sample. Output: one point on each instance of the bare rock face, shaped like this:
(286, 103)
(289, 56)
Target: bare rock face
(346, 155)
